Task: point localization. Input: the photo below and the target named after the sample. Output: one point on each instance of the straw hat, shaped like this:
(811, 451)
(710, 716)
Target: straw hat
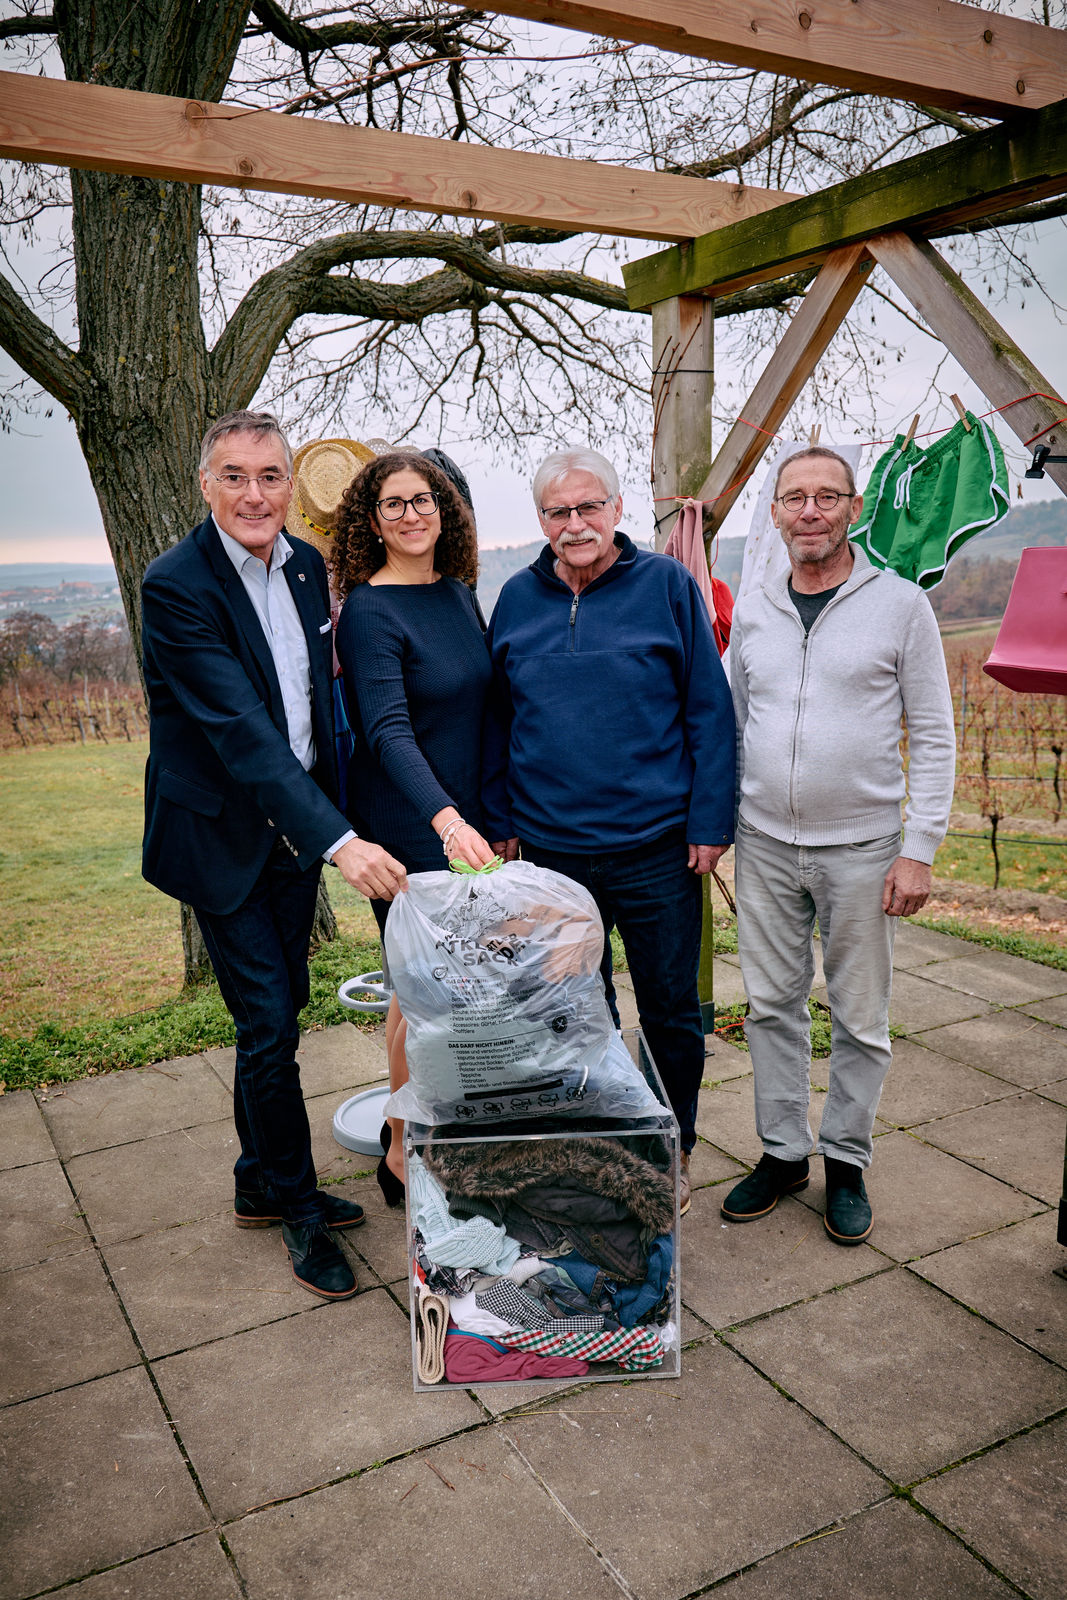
(322, 472)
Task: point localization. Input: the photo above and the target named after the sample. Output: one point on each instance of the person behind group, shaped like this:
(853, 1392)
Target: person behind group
(240, 809)
(825, 661)
(620, 748)
(416, 671)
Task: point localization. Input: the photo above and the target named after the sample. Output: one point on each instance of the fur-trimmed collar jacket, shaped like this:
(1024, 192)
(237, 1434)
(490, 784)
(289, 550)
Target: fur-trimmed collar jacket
(588, 1194)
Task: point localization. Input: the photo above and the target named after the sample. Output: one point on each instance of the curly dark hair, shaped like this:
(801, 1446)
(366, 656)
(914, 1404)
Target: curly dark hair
(357, 554)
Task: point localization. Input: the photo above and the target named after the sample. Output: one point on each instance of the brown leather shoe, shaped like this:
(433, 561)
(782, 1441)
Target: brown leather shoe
(685, 1198)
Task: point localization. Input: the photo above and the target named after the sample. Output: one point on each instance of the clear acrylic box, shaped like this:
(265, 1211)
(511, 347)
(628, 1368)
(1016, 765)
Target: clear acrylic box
(663, 1128)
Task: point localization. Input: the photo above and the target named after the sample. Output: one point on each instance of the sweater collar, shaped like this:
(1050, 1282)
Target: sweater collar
(545, 565)
(862, 572)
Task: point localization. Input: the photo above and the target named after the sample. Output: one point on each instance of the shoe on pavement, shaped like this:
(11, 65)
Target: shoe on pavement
(685, 1198)
(760, 1192)
(848, 1218)
(259, 1211)
(318, 1263)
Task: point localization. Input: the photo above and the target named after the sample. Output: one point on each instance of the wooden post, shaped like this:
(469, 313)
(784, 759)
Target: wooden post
(683, 350)
(978, 342)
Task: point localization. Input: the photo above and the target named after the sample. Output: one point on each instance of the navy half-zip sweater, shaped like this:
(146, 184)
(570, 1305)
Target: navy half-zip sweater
(618, 713)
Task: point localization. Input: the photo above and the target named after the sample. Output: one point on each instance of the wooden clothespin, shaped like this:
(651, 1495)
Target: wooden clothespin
(813, 436)
(911, 430)
(960, 411)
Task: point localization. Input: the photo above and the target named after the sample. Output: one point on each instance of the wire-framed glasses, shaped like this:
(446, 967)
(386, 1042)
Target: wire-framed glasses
(239, 481)
(826, 499)
(558, 515)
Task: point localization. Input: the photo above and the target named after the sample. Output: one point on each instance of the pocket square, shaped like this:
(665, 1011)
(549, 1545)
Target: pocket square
(324, 627)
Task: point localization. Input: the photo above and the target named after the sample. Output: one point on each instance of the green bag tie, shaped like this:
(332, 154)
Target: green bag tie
(466, 868)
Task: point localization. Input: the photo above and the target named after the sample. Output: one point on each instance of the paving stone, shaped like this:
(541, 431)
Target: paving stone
(925, 1082)
(1019, 1139)
(915, 947)
(332, 1160)
(89, 1477)
(338, 1057)
(726, 1117)
(183, 1286)
(918, 1003)
(898, 1371)
(38, 1215)
(924, 1199)
(134, 1104)
(724, 1061)
(381, 1242)
(891, 1552)
(666, 1481)
(1008, 1044)
(735, 1270)
(195, 1569)
(61, 1325)
(1024, 1484)
(158, 1182)
(727, 984)
(708, 1165)
(1008, 1276)
(489, 1533)
(1056, 1092)
(995, 975)
(24, 1136)
(625, 1003)
(320, 1396)
(1048, 1010)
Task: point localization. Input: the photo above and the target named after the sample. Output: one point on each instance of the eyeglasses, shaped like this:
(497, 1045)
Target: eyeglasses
(558, 515)
(826, 499)
(393, 508)
(241, 480)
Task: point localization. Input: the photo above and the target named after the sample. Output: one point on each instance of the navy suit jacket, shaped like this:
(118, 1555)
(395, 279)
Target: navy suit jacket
(222, 783)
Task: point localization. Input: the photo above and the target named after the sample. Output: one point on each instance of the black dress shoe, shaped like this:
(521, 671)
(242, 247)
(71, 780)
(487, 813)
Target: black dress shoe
(848, 1218)
(259, 1211)
(391, 1186)
(760, 1192)
(318, 1263)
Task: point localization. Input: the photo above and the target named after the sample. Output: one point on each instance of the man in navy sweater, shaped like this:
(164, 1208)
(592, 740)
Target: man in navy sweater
(620, 763)
(240, 805)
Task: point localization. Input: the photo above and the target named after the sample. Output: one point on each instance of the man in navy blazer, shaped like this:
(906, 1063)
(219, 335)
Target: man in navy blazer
(240, 804)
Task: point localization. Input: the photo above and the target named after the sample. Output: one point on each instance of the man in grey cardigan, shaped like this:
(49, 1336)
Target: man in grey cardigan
(825, 661)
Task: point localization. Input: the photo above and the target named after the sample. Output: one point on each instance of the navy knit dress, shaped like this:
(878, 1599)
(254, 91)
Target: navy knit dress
(417, 677)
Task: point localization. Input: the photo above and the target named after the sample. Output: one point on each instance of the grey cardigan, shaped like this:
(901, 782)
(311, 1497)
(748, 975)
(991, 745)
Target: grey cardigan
(819, 716)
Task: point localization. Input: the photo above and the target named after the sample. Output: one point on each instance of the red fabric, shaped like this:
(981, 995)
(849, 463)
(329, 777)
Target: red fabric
(686, 544)
(471, 1358)
(1031, 648)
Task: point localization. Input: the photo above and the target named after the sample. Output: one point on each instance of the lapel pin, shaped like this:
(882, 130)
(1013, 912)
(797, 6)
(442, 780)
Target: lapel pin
(300, 575)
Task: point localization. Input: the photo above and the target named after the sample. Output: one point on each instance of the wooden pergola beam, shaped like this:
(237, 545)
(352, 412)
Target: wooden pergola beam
(818, 317)
(985, 351)
(936, 54)
(160, 136)
(975, 176)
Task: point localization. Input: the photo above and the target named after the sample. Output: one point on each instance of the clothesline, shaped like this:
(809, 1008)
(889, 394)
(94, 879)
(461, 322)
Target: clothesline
(1035, 394)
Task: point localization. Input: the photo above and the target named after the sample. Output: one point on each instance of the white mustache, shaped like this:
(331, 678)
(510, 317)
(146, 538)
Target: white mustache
(580, 538)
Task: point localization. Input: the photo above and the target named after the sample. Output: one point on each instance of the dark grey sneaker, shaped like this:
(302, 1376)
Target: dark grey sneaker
(760, 1192)
(848, 1218)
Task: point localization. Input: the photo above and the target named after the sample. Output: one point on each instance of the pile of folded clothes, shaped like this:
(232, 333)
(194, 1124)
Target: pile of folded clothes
(534, 1258)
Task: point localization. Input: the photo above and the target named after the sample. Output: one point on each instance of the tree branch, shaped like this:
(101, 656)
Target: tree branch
(311, 41)
(27, 25)
(40, 352)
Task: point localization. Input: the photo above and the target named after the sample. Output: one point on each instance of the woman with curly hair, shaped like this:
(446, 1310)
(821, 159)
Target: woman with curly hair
(417, 678)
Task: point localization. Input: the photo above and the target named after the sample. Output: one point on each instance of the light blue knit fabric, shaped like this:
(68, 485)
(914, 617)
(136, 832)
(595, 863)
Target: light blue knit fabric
(476, 1243)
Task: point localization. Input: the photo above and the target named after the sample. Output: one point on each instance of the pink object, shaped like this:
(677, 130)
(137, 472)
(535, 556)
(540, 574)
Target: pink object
(686, 544)
(472, 1358)
(1031, 648)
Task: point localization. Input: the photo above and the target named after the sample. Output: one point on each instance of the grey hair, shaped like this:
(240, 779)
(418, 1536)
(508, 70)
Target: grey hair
(575, 460)
(259, 423)
(818, 452)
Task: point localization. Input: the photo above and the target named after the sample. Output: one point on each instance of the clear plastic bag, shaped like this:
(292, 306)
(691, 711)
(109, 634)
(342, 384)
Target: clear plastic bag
(498, 978)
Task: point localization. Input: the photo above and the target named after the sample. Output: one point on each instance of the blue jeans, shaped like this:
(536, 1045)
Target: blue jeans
(260, 956)
(655, 901)
(781, 888)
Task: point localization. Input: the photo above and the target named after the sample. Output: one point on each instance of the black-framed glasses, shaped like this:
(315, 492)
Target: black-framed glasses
(558, 515)
(826, 499)
(393, 508)
(240, 480)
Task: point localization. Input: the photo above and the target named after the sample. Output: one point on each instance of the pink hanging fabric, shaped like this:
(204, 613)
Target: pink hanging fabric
(686, 544)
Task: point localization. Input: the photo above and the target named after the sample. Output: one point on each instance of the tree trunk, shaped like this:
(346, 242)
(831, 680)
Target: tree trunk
(324, 928)
(194, 950)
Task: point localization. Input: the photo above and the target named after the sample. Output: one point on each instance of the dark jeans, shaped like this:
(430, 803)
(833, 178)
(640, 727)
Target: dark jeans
(655, 901)
(260, 956)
